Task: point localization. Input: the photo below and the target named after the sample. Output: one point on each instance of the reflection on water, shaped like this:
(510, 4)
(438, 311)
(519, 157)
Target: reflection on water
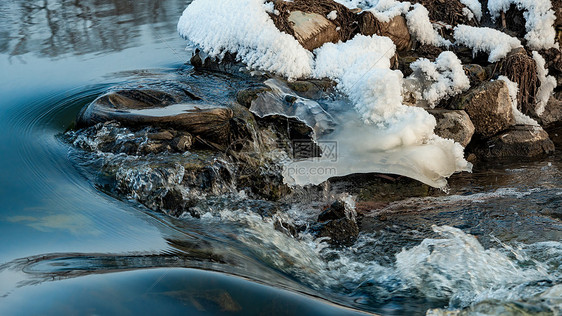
(54, 28)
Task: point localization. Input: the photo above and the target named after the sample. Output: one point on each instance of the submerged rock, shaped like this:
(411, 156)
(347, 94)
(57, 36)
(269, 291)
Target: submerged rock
(489, 107)
(453, 124)
(518, 141)
(338, 223)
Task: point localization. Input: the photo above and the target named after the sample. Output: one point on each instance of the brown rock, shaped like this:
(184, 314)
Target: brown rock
(313, 30)
(396, 29)
(489, 107)
(453, 124)
(518, 141)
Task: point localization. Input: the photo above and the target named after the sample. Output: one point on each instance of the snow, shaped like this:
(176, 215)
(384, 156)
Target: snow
(244, 27)
(385, 10)
(519, 117)
(395, 138)
(421, 28)
(434, 81)
(484, 39)
(332, 15)
(539, 20)
(466, 12)
(548, 83)
(474, 6)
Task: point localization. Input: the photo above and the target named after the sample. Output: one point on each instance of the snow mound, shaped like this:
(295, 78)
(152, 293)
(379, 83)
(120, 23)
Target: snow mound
(484, 39)
(539, 20)
(474, 6)
(421, 28)
(244, 28)
(434, 81)
(548, 83)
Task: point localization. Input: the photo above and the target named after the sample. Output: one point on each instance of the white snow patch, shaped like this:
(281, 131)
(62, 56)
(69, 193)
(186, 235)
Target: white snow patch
(519, 117)
(548, 83)
(474, 6)
(332, 15)
(539, 20)
(484, 39)
(243, 27)
(466, 12)
(433, 81)
(421, 28)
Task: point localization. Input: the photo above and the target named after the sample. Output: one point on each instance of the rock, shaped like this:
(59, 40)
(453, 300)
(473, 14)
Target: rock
(312, 30)
(518, 141)
(552, 113)
(161, 107)
(338, 223)
(476, 73)
(280, 101)
(183, 142)
(396, 29)
(228, 64)
(489, 107)
(453, 124)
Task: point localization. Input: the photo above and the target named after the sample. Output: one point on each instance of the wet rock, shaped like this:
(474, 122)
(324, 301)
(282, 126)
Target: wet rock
(374, 189)
(312, 89)
(396, 29)
(183, 142)
(552, 114)
(338, 223)
(518, 141)
(228, 64)
(453, 124)
(282, 102)
(489, 107)
(246, 96)
(162, 107)
(312, 30)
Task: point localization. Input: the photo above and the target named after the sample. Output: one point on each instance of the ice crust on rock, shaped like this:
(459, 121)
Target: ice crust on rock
(383, 134)
(539, 20)
(484, 39)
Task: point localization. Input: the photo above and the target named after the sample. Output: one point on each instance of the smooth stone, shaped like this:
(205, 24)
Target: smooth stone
(519, 141)
(453, 124)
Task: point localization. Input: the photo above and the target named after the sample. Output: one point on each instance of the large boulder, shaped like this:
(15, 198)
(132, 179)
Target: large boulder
(518, 141)
(396, 29)
(453, 124)
(489, 107)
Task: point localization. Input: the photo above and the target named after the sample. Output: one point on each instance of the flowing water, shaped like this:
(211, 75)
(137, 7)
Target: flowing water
(70, 246)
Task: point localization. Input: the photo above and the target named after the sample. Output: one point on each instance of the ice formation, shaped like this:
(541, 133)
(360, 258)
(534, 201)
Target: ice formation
(483, 39)
(519, 117)
(539, 20)
(548, 83)
(394, 138)
(421, 28)
(433, 81)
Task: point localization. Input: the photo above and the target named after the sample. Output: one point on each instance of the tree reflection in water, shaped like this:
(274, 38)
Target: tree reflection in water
(53, 28)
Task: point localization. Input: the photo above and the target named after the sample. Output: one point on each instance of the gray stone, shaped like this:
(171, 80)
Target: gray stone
(489, 107)
(453, 124)
(519, 141)
(552, 113)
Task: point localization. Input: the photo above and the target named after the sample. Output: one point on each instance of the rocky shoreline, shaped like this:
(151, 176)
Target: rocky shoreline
(182, 153)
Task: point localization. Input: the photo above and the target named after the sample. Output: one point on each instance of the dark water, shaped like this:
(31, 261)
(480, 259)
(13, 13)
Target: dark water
(66, 247)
